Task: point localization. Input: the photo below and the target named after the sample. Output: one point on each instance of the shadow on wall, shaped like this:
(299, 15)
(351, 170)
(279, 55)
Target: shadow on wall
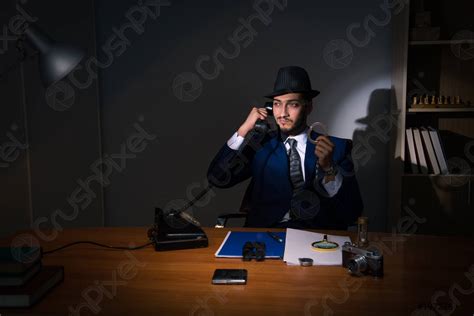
(370, 154)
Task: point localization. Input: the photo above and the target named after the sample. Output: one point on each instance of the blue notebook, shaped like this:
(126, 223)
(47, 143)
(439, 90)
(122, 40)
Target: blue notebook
(233, 243)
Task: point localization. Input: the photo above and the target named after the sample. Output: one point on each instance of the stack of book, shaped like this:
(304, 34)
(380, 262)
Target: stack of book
(23, 278)
(425, 151)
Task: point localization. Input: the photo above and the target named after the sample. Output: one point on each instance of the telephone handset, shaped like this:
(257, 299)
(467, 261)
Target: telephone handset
(262, 131)
(269, 124)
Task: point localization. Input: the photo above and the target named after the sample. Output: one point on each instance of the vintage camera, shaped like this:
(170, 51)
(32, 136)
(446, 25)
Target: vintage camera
(360, 261)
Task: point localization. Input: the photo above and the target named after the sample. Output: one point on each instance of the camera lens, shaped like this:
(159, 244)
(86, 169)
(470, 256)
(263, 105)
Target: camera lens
(357, 264)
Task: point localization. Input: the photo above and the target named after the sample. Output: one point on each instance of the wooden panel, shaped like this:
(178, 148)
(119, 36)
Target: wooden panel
(15, 210)
(456, 75)
(443, 200)
(65, 127)
(462, 126)
(59, 144)
(398, 102)
(441, 69)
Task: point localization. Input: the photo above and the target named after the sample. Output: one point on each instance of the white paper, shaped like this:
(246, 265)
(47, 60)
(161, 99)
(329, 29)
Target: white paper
(298, 245)
(222, 244)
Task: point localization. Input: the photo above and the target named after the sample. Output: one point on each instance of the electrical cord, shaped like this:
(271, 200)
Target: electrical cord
(189, 204)
(97, 244)
(180, 211)
(196, 198)
(248, 139)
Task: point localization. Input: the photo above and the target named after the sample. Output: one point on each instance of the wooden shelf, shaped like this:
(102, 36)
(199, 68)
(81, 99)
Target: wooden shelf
(434, 110)
(441, 42)
(433, 67)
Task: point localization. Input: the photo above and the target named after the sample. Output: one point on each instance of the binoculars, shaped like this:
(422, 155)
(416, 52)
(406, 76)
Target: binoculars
(253, 250)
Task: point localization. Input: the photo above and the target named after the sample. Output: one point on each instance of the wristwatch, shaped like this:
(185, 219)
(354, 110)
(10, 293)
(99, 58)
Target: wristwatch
(330, 174)
(331, 171)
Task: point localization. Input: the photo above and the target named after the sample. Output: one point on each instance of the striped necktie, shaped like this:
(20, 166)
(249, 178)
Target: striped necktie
(296, 174)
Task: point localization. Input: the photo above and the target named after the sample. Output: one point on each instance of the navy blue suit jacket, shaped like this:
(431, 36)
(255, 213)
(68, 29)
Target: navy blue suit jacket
(269, 193)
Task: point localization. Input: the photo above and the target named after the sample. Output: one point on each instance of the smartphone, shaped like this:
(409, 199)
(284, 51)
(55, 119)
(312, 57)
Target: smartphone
(230, 276)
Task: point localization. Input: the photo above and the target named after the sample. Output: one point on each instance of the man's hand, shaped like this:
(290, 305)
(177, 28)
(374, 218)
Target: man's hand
(324, 150)
(254, 115)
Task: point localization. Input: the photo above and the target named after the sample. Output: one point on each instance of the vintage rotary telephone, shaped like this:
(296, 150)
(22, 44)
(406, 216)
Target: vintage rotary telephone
(177, 229)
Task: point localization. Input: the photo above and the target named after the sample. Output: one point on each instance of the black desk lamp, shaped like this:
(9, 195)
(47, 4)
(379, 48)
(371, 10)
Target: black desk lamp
(55, 60)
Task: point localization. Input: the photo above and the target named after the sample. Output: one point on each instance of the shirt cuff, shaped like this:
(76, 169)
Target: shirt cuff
(332, 187)
(235, 141)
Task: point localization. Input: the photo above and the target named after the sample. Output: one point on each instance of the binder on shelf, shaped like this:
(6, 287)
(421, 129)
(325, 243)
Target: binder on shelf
(441, 157)
(419, 150)
(430, 150)
(411, 151)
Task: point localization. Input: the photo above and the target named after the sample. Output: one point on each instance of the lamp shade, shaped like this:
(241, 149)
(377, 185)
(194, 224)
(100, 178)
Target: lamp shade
(56, 60)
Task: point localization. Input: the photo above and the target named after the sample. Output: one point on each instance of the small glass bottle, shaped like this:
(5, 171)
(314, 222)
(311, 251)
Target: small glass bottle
(362, 232)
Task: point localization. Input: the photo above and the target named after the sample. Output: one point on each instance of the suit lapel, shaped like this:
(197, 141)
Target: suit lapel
(280, 154)
(310, 159)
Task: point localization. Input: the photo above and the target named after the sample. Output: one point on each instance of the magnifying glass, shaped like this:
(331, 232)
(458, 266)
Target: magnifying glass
(319, 128)
(324, 245)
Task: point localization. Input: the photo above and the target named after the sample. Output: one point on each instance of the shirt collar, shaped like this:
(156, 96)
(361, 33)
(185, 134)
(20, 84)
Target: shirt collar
(301, 138)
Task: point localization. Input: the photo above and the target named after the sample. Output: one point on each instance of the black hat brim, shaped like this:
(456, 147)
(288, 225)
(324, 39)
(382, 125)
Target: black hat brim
(310, 93)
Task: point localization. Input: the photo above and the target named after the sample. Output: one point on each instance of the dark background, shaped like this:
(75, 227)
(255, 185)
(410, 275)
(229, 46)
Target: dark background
(155, 83)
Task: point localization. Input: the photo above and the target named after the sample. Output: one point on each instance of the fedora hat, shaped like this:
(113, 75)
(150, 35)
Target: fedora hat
(292, 79)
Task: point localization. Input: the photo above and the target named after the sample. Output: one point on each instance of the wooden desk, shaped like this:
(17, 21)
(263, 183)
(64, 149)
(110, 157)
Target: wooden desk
(418, 271)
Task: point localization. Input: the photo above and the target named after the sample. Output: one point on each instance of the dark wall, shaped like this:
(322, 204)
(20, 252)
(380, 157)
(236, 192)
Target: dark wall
(58, 127)
(154, 81)
(14, 186)
(163, 115)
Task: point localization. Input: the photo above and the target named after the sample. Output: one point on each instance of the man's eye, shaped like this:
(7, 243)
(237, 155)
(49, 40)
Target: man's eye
(294, 105)
(276, 104)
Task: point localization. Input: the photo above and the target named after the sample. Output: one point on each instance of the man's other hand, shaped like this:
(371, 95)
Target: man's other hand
(324, 150)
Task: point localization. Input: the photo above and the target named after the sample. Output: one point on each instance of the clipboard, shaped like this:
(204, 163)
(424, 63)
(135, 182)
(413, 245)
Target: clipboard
(233, 243)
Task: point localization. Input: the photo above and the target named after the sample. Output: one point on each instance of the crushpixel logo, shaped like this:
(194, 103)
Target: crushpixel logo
(338, 54)
(463, 47)
(60, 96)
(457, 166)
(187, 86)
(305, 205)
(24, 248)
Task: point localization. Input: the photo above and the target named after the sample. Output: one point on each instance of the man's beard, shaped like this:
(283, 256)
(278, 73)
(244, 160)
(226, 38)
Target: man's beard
(298, 126)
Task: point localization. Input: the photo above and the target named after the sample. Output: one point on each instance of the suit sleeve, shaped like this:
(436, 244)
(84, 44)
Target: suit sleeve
(346, 205)
(228, 168)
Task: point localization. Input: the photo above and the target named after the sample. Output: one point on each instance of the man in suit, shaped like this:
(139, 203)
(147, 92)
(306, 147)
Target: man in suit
(295, 182)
